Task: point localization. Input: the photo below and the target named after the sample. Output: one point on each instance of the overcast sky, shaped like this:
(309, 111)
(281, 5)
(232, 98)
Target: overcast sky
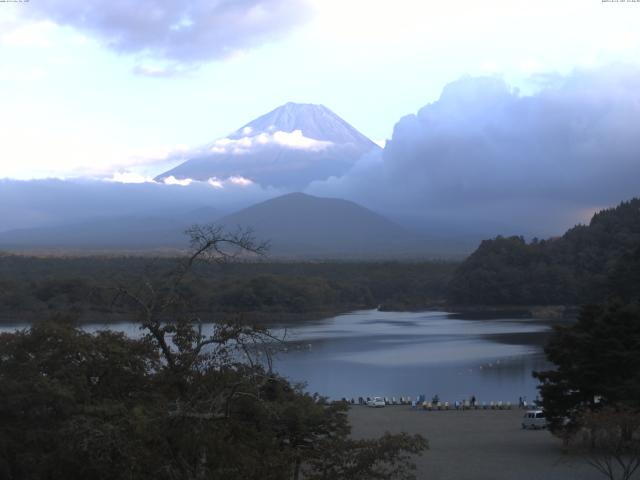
(92, 87)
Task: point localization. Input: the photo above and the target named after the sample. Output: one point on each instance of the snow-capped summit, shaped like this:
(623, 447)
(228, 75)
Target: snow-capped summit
(290, 147)
(314, 121)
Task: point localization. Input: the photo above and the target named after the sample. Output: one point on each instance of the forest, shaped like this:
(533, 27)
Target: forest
(577, 268)
(32, 288)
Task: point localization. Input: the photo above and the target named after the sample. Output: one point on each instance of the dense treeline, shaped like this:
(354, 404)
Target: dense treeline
(591, 395)
(32, 287)
(104, 406)
(577, 268)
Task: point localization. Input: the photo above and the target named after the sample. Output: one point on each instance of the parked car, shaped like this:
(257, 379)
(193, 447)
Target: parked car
(376, 402)
(534, 419)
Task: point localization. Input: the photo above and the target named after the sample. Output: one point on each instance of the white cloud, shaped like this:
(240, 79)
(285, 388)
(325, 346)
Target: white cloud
(130, 177)
(241, 181)
(294, 140)
(298, 141)
(183, 182)
(154, 154)
(215, 182)
(33, 34)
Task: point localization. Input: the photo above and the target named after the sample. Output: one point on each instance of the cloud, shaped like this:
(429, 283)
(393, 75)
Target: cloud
(129, 177)
(161, 71)
(243, 182)
(171, 180)
(126, 176)
(33, 203)
(294, 140)
(35, 34)
(213, 181)
(485, 153)
(183, 32)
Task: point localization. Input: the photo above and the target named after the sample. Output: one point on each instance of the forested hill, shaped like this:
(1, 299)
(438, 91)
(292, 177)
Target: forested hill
(35, 288)
(580, 267)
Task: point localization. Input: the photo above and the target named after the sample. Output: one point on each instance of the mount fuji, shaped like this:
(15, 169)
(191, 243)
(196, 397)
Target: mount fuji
(288, 147)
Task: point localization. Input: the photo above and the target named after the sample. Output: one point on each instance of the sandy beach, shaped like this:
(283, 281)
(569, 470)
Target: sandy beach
(475, 444)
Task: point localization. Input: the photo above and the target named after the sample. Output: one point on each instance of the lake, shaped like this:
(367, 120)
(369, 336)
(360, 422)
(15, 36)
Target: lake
(374, 353)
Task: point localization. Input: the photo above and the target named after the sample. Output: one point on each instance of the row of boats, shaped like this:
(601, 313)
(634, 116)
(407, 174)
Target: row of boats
(435, 404)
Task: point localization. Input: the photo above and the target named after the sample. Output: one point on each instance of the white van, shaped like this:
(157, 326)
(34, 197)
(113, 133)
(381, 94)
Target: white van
(376, 402)
(534, 419)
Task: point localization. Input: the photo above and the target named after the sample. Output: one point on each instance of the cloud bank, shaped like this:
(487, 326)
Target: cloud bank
(485, 153)
(181, 32)
(294, 140)
(35, 203)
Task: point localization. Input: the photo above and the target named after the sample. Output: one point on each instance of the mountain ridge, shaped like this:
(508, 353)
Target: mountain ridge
(302, 225)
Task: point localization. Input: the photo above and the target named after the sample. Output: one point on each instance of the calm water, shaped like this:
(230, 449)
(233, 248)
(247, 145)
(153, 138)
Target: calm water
(369, 353)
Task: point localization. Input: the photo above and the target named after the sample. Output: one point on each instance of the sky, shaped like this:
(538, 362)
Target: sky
(97, 89)
(486, 154)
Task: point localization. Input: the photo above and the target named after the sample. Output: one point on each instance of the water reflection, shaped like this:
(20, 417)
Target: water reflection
(369, 353)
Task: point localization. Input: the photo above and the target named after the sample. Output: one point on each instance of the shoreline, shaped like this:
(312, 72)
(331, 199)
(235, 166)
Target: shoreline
(550, 315)
(474, 444)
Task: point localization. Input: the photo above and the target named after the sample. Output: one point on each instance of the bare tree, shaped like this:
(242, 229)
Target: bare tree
(176, 331)
(610, 441)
